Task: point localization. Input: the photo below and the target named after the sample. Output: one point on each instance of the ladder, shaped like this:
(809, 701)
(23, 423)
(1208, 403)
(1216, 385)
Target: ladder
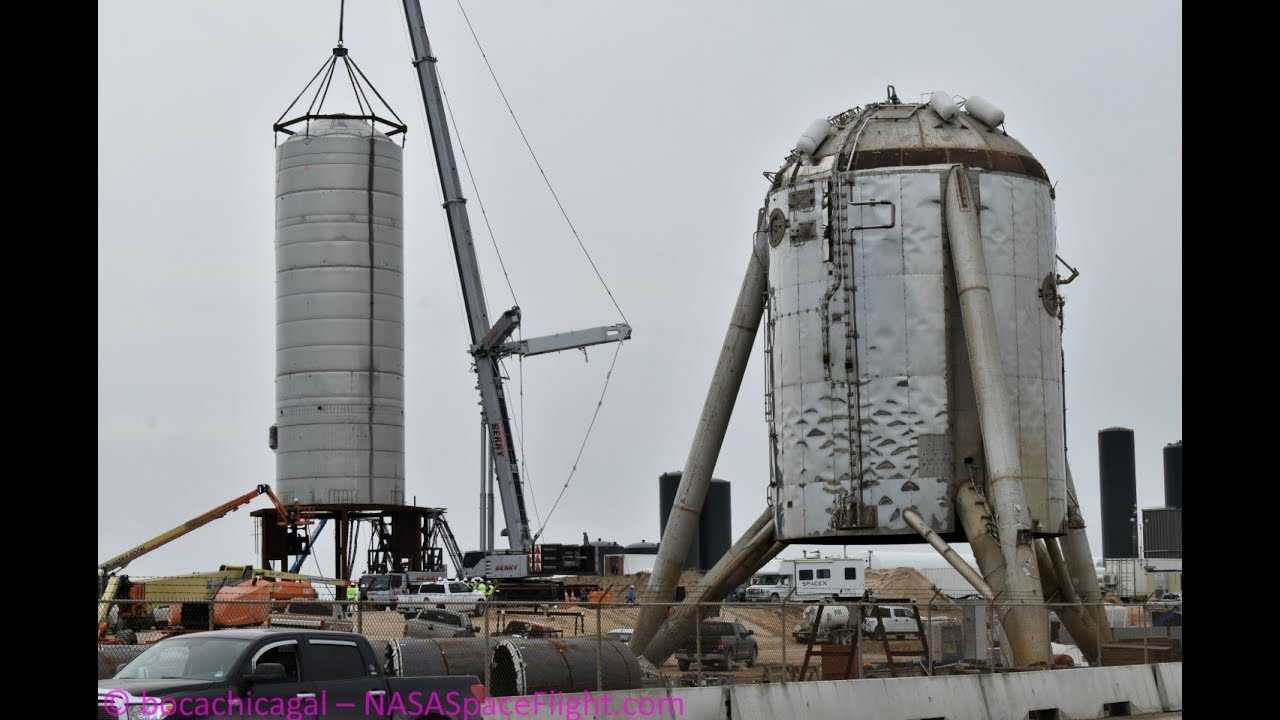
(921, 636)
(851, 655)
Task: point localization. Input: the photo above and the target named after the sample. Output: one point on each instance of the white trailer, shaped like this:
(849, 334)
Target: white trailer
(826, 578)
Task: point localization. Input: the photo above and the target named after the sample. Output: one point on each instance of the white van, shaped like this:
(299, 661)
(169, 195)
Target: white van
(769, 587)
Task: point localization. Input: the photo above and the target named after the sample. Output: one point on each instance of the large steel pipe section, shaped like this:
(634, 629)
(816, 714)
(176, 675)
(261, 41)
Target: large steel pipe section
(682, 525)
(1026, 620)
(1078, 558)
(1060, 594)
(526, 666)
(951, 556)
(447, 656)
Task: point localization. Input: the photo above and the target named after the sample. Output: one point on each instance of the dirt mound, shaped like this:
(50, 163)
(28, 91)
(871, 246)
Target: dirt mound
(903, 582)
(617, 584)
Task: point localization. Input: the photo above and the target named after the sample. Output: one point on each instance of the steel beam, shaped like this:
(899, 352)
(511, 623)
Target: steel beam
(1024, 615)
(682, 523)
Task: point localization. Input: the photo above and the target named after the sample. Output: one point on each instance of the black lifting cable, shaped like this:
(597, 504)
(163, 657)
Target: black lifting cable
(538, 163)
(590, 261)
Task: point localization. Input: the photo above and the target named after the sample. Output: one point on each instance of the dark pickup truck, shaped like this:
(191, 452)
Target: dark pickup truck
(278, 673)
(432, 623)
(723, 643)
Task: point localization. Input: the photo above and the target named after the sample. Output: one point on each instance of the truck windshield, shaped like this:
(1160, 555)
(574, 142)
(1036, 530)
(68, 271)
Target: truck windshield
(189, 658)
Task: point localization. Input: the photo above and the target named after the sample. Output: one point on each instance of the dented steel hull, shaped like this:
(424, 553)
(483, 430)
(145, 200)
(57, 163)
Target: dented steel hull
(870, 403)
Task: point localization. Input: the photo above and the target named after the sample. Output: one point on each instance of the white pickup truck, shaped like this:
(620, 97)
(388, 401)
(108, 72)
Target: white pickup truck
(447, 595)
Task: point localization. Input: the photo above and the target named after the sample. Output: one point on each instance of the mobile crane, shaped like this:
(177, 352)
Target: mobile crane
(490, 342)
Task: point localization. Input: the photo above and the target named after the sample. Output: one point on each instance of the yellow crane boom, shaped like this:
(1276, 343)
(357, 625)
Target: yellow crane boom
(119, 561)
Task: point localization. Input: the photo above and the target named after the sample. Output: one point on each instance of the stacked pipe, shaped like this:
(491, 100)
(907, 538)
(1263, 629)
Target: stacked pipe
(520, 666)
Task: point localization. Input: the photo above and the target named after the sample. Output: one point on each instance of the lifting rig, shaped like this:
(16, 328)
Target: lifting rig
(490, 343)
(109, 580)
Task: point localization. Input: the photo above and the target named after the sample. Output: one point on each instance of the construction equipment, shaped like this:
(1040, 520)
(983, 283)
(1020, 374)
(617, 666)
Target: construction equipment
(490, 342)
(111, 585)
(118, 562)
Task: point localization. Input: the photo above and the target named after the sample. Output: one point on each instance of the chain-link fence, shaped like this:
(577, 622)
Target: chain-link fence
(507, 643)
(736, 642)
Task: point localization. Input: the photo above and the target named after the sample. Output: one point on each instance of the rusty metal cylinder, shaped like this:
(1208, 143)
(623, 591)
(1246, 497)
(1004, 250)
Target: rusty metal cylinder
(411, 657)
(113, 657)
(523, 666)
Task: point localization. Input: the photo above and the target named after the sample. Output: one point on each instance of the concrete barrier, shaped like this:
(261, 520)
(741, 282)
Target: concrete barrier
(1078, 694)
(954, 697)
(1169, 683)
(706, 703)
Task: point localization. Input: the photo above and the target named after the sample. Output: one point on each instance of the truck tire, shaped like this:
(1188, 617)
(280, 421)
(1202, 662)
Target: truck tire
(755, 653)
(683, 665)
(774, 598)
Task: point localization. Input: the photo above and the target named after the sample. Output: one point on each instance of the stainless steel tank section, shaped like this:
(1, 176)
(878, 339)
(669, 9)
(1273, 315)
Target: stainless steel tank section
(870, 399)
(339, 316)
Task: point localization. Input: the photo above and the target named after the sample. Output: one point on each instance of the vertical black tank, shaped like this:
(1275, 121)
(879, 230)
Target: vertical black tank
(715, 529)
(1173, 475)
(668, 483)
(1119, 482)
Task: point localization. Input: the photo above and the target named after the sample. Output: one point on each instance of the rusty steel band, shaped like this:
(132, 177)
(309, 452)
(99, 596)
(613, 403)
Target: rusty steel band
(995, 160)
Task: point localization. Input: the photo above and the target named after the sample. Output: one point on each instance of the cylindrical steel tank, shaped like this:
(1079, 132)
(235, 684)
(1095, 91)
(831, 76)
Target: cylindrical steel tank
(1119, 486)
(339, 316)
(1173, 475)
(525, 666)
(870, 398)
(668, 483)
(411, 657)
(1162, 533)
(715, 524)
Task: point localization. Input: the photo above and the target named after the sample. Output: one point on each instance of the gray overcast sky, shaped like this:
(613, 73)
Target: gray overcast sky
(654, 120)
